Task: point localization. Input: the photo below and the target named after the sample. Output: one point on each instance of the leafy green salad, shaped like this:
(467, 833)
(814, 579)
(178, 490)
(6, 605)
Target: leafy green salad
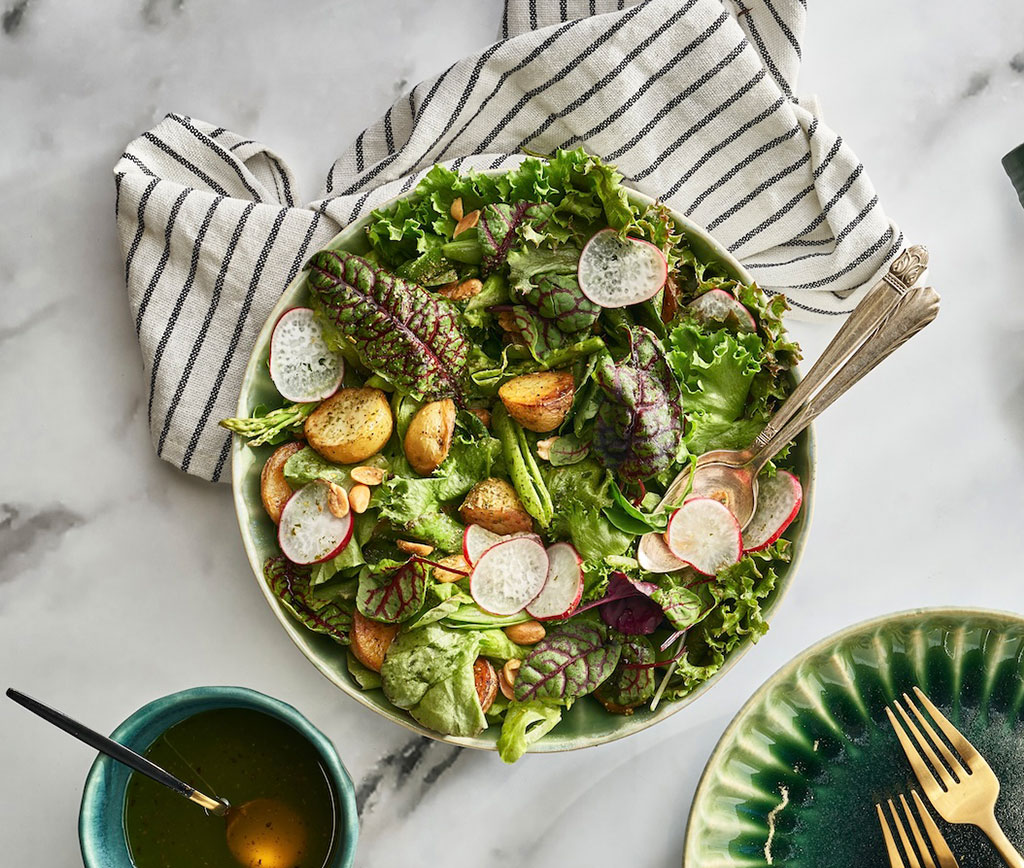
(479, 418)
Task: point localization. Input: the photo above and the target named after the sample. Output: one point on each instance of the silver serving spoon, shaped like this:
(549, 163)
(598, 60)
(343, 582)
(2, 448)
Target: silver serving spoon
(888, 316)
(262, 833)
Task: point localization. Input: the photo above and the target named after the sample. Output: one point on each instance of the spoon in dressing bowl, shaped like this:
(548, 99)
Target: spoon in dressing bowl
(888, 316)
(261, 833)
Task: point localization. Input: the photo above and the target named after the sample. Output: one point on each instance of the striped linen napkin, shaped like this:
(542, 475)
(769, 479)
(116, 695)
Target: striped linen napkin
(692, 99)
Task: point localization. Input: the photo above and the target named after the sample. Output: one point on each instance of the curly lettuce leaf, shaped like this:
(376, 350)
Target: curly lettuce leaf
(401, 331)
(581, 491)
(639, 424)
(525, 724)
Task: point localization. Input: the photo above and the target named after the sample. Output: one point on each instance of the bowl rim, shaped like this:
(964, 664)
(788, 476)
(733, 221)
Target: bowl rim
(786, 670)
(92, 802)
(294, 630)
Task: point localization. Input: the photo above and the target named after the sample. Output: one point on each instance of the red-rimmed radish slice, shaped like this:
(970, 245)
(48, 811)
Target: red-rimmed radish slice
(704, 534)
(309, 532)
(509, 575)
(778, 502)
(655, 557)
(563, 586)
(615, 271)
(476, 540)
(718, 306)
(302, 366)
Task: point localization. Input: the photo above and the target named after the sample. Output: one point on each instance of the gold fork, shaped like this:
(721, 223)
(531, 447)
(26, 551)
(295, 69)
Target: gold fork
(962, 792)
(921, 857)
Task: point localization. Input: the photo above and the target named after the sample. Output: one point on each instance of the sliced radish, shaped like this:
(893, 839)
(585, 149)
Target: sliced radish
(302, 366)
(778, 502)
(563, 586)
(718, 306)
(655, 557)
(509, 575)
(615, 271)
(309, 532)
(476, 540)
(705, 534)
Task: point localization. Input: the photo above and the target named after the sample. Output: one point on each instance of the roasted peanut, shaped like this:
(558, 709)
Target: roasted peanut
(414, 548)
(359, 498)
(337, 499)
(527, 633)
(456, 210)
(460, 291)
(544, 448)
(507, 678)
(483, 414)
(467, 222)
(367, 475)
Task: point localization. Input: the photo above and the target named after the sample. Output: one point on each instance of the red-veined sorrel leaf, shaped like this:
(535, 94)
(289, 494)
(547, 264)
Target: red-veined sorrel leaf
(640, 422)
(571, 661)
(291, 585)
(682, 607)
(633, 681)
(393, 596)
(399, 330)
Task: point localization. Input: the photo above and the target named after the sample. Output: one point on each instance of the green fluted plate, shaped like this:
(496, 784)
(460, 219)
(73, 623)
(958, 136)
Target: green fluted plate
(586, 723)
(795, 778)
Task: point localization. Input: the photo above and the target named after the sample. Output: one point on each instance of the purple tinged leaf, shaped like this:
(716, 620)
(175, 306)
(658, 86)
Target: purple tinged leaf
(682, 607)
(639, 424)
(567, 449)
(570, 662)
(401, 331)
(633, 681)
(393, 597)
(629, 607)
(498, 232)
(291, 585)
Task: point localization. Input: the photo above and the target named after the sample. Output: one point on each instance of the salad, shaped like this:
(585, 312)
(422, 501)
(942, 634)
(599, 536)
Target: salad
(478, 418)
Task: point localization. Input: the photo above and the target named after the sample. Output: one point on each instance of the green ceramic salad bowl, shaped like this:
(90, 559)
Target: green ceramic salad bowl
(587, 723)
(795, 778)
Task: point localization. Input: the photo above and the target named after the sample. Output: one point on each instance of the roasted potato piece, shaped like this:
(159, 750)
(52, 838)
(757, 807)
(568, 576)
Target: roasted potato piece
(274, 488)
(541, 401)
(351, 425)
(429, 436)
(486, 683)
(371, 640)
(494, 505)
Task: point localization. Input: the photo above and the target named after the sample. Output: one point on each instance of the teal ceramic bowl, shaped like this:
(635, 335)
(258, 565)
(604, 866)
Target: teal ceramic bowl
(101, 819)
(587, 723)
(796, 776)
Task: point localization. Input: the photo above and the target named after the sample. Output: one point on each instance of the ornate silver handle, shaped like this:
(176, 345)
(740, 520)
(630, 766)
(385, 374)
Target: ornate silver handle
(906, 318)
(902, 274)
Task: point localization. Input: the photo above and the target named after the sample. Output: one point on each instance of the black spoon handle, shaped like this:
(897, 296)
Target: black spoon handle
(103, 744)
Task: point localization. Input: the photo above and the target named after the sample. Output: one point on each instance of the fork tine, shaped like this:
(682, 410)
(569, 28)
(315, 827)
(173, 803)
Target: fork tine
(939, 771)
(915, 830)
(956, 738)
(939, 845)
(947, 754)
(890, 845)
(924, 776)
(908, 848)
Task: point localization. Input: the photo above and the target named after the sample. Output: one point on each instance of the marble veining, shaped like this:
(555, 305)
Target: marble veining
(122, 580)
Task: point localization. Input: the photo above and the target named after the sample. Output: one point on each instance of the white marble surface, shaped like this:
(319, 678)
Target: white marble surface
(122, 579)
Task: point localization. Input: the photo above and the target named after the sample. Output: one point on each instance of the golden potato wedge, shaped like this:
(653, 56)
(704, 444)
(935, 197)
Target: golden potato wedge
(429, 436)
(458, 566)
(494, 505)
(539, 401)
(486, 680)
(351, 425)
(371, 640)
(274, 488)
